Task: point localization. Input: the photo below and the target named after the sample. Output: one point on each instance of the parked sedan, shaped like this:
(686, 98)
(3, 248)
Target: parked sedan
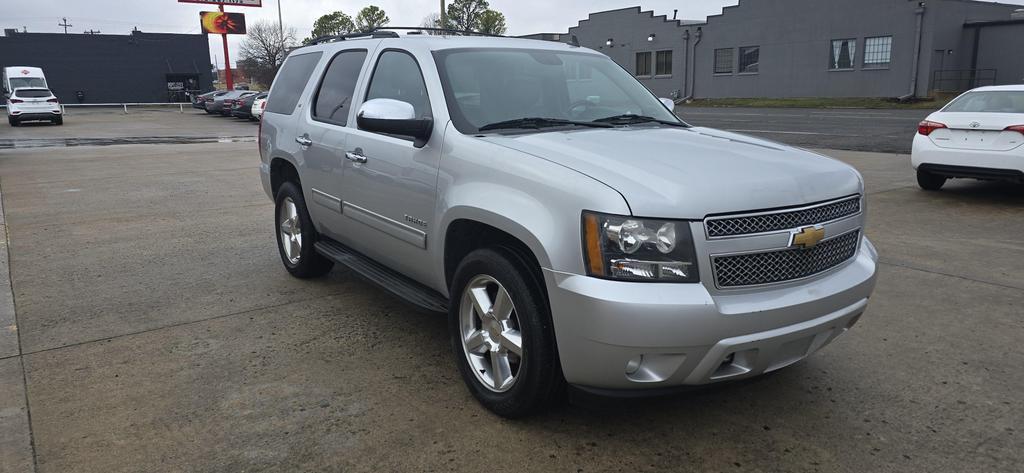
(199, 101)
(229, 102)
(978, 135)
(218, 103)
(33, 104)
(242, 107)
(258, 107)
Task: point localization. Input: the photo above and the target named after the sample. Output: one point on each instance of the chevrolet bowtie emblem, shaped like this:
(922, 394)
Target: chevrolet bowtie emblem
(806, 237)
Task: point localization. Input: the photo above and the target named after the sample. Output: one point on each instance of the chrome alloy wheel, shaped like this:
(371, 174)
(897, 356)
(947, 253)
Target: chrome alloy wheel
(291, 231)
(490, 330)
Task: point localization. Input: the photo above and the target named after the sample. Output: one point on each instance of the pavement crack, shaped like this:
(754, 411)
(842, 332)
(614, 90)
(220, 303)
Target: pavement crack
(940, 273)
(182, 324)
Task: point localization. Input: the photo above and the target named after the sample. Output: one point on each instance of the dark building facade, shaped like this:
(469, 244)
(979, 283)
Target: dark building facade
(136, 68)
(813, 48)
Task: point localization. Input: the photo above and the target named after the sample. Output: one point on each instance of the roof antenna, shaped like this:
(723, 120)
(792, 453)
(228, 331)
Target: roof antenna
(574, 41)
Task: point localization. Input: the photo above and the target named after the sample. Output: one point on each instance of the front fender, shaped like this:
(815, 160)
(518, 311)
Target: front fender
(537, 201)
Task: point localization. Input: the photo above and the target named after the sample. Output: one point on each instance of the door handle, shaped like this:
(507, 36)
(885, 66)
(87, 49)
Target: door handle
(355, 157)
(304, 141)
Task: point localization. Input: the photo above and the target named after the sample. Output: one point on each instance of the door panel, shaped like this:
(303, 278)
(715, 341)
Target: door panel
(390, 198)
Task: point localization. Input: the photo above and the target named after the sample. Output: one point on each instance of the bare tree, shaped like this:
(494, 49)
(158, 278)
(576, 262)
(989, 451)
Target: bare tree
(264, 49)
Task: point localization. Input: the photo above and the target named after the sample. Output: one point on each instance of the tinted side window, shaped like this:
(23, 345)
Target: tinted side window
(334, 98)
(290, 82)
(398, 77)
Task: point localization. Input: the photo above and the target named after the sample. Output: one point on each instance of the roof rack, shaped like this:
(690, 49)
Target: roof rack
(386, 32)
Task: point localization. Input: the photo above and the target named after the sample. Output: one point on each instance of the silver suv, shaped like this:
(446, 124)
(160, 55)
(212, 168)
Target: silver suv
(572, 227)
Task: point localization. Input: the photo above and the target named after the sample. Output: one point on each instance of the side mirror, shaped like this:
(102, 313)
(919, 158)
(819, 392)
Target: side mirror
(394, 117)
(668, 103)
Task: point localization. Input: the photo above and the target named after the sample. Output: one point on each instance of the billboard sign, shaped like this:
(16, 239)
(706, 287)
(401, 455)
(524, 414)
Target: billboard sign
(218, 22)
(232, 3)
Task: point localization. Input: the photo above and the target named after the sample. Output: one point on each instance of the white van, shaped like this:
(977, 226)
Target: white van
(16, 77)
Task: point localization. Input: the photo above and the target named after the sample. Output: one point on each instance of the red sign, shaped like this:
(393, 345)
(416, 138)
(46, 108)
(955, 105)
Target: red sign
(233, 3)
(218, 22)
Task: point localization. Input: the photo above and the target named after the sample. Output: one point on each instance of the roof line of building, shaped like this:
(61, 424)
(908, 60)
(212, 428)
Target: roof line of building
(980, 24)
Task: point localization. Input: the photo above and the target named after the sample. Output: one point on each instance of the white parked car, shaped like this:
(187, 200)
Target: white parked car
(257, 108)
(27, 104)
(978, 135)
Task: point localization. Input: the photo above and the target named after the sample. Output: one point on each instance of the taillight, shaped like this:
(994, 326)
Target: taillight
(1017, 128)
(926, 127)
(51, 100)
(17, 101)
(263, 105)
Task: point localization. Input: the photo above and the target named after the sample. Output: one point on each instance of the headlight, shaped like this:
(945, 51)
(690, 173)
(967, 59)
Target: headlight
(638, 249)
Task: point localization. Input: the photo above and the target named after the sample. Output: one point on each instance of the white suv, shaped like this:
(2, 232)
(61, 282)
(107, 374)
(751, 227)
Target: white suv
(32, 104)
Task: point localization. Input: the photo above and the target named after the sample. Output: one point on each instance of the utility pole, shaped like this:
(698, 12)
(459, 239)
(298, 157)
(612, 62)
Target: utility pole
(280, 23)
(66, 25)
(444, 19)
(230, 82)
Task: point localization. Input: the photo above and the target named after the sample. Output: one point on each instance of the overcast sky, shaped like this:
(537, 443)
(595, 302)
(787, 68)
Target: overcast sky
(169, 16)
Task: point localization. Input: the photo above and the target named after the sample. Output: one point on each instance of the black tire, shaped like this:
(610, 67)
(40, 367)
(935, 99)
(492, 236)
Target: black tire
(538, 381)
(13, 121)
(929, 181)
(58, 121)
(309, 263)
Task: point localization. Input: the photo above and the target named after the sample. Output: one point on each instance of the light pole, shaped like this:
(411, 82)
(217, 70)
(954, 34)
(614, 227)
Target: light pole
(444, 20)
(280, 23)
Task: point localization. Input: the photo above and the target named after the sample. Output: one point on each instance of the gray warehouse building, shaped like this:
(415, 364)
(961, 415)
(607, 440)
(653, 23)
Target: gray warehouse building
(106, 68)
(814, 48)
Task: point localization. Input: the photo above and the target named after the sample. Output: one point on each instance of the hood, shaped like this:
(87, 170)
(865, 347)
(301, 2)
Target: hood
(668, 172)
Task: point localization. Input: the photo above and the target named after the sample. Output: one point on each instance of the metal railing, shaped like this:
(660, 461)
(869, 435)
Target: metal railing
(124, 106)
(959, 80)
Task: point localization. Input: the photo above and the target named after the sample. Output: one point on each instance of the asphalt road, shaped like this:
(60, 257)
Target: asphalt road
(883, 131)
(155, 330)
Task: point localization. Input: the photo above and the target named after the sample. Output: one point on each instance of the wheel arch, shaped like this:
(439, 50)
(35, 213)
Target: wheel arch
(283, 170)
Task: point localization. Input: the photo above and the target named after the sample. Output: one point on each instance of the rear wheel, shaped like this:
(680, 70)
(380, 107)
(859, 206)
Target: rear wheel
(929, 181)
(296, 235)
(502, 335)
(13, 121)
(58, 121)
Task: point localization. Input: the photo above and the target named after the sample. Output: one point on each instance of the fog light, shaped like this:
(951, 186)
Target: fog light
(633, 365)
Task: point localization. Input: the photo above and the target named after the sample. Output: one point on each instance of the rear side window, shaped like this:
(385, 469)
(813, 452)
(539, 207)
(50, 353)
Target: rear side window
(398, 77)
(334, 99)
(291, 81)
(993, 101)
(32, 93)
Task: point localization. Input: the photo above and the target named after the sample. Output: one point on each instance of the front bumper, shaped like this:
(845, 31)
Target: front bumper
(616, 335)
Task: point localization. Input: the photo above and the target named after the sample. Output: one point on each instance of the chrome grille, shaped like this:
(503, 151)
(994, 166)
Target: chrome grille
(781, 220)
(783, 265)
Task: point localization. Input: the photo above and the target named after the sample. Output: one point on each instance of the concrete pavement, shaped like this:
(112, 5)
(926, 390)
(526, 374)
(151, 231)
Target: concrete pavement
(159, 332)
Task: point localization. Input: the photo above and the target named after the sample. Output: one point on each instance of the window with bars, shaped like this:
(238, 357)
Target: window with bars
(749, 59)
(663, 63)
(877, 51)
(723, 61)
(843, 53)
(643, 64)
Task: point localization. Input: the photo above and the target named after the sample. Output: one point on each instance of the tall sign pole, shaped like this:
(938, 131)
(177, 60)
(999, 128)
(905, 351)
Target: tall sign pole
(227, 59)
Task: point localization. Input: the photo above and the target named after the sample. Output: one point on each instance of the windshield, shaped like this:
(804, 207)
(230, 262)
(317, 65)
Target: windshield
(489, 86)
(32, 93)
(994, 101)
(19, 82)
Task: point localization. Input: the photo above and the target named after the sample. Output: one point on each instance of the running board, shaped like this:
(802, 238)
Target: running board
(402, 286)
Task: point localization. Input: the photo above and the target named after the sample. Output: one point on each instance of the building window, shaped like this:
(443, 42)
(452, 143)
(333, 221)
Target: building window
(749, 59)
(643, 64)
(843, 53)
(723, 61)
(877, 51)
(663, 63)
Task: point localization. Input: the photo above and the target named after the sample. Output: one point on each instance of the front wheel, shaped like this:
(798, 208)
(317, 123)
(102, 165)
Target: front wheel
(502, 335)
(296, 235)
(929, 181)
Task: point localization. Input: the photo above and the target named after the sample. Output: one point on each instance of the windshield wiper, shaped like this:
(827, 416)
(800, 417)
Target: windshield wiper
(539, 122)
(630, 119)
